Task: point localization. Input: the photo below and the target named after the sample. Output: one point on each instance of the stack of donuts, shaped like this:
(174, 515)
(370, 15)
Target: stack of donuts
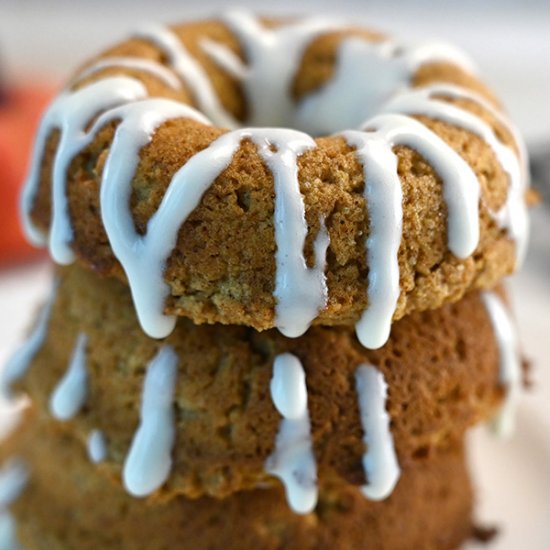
(257, 336)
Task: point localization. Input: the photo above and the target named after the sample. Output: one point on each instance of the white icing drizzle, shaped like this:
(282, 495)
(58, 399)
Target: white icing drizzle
(8, 536)
(97, 446)
(71, 391)
(277, 51)
(20, 361)
(14, 476)
(353, 94)
(224, 58)
(421, 101)
(143, 257)
(380, 460)
(70, 113)
(384, 198)
(460, 186)
(349, 97)
(510, 362)
(149, 460)
(190, 71)
(146, 65)
(293, 461)
(374, 148)
(13, 479)
(300, 292)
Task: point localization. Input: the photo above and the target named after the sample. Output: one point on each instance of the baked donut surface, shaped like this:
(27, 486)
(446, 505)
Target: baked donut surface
(441, 369)
(137, 176)
(82, 509)
(310, 221)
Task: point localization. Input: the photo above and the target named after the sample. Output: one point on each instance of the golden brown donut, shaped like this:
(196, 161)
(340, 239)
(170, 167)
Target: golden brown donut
(432, 506)
(441, 366)
(223, 264)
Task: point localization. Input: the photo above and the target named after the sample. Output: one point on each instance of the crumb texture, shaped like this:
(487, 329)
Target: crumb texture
(222, 268)
(431, 504)
(441, 368)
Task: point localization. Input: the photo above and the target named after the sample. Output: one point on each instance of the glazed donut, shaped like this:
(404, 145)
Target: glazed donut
(433, 504)
(437, 375)
(165, 163)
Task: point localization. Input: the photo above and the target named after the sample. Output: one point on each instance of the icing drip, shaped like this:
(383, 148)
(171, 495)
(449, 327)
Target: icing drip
(301, 292)
(137, 63)
(70, 393)
(14, 476)
(8, 536)
(97, 446)
(460, 185)
(13, 479)
(143, 257)
(277, 51)
(380, 461)
(293, 461)
(20, 362)
(352, 95)
(374, 148)
(384, 198)
(513, 215)
(149, 460)
(510, 362)
(190, 71)
(224, 58)
(70, 113)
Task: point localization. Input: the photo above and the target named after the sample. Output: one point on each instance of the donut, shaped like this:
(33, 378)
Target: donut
(440, 373)
(278, 306)
(279, 174)
(433, 506)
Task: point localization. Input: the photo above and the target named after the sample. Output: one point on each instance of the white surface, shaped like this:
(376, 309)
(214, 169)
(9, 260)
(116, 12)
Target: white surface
(514, 482)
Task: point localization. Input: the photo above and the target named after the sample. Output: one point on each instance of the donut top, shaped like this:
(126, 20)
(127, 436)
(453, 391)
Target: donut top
(273, 55)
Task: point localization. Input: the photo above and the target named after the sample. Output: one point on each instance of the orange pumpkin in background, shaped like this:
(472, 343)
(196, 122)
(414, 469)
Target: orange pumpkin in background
(21, 108)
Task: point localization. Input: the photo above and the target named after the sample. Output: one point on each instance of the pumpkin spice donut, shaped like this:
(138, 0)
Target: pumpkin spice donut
(233, 396)
(432, 505)
(166, 163)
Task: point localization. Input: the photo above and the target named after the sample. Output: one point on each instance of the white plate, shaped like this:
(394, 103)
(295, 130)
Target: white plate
(512, 480)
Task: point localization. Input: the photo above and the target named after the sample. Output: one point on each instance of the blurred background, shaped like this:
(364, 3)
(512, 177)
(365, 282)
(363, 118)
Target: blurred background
(42, 42)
